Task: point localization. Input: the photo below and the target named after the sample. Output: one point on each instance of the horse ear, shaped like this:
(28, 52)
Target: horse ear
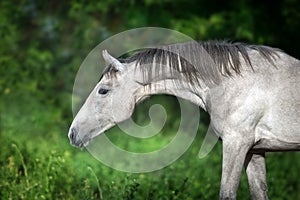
(109, 60)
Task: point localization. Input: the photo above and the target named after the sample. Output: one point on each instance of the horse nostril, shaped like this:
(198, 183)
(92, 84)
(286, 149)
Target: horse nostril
(72, 135)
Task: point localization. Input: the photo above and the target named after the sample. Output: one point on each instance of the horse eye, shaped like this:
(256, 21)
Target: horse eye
(103, 91)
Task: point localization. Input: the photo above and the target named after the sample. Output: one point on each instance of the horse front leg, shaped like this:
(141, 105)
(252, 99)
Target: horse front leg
(255, 166)
(235, 149)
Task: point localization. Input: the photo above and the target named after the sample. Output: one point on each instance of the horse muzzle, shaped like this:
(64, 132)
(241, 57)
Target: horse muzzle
(74, 138)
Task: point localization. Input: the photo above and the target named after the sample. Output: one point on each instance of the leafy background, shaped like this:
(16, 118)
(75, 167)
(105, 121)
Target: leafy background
(42, 44)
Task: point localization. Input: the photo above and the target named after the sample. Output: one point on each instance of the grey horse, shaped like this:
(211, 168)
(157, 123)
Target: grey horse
(251, 92)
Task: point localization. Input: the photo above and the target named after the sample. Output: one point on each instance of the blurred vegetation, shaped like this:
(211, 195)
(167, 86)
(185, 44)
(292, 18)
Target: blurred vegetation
(42, 44)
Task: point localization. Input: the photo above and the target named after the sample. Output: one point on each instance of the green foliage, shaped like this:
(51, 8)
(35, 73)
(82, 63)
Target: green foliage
(42, 44)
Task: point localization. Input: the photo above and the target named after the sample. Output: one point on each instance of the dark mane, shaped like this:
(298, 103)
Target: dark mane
(196, 60)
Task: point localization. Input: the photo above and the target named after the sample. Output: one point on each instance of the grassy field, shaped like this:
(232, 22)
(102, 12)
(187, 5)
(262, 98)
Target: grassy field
(37, 162)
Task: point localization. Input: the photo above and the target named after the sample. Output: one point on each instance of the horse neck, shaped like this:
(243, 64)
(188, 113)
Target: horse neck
(172, 84)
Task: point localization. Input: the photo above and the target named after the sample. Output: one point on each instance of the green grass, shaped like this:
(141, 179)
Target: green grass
(37, 162)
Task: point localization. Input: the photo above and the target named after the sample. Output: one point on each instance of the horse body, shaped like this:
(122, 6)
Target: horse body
(260, 113)
(251, 93)
(264, 102)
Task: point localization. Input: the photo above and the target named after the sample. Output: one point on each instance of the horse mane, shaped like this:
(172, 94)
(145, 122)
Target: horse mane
(194, 60)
